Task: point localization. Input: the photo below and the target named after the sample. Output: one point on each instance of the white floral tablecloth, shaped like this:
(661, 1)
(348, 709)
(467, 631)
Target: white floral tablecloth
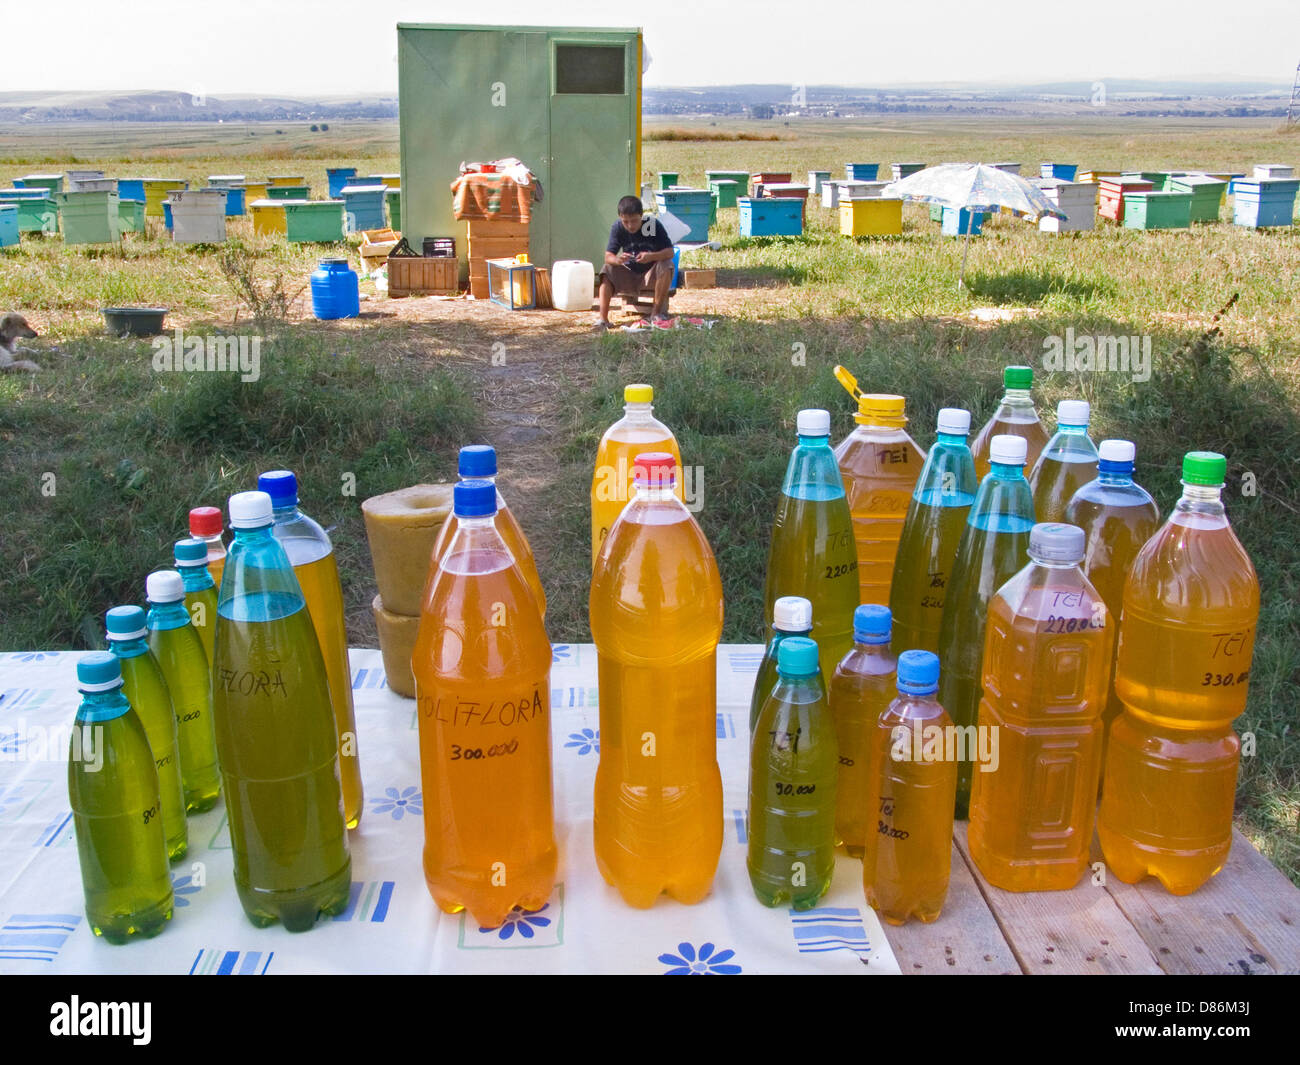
(391, 924)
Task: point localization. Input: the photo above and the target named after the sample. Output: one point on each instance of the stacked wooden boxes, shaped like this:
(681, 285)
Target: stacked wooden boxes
(492, 240)
(1078, 201)
(790, 190)
(1111, 193)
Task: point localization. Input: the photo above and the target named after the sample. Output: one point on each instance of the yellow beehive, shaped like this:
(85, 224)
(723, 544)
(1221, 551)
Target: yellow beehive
(871, 218)
(268, 217)
(254, 190)
(156, 190)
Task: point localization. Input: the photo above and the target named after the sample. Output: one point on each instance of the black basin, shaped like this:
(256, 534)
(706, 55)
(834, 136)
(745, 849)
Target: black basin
(134, 321)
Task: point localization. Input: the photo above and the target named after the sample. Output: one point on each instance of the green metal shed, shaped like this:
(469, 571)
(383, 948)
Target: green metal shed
(567, 102)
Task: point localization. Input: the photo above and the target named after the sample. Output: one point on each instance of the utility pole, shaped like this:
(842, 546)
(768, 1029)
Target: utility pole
(1293, 111)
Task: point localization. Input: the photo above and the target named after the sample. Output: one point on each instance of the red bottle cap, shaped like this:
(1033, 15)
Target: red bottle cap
(205, 521)
(656, 469)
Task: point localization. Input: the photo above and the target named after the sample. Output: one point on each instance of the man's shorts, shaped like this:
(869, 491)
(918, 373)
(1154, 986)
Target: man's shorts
(626, 280)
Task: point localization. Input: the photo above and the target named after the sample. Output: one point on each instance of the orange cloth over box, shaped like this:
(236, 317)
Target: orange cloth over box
(491, 197)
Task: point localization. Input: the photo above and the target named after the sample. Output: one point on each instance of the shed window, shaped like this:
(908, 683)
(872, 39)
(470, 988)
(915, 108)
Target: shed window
(585, 68)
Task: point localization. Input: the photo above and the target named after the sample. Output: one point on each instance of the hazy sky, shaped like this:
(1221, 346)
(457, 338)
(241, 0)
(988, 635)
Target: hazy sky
(265, 46)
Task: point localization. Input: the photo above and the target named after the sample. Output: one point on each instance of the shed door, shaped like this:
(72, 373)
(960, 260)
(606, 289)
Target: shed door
(593, 141)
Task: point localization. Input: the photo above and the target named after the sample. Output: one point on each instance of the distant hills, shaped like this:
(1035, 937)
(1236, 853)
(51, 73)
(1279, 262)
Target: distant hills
(1121, 96)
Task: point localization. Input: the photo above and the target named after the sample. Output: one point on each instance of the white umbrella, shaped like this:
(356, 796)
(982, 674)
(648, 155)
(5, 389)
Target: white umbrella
(972, 187)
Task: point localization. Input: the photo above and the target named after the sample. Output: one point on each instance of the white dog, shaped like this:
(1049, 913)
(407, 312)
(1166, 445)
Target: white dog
(12, 327)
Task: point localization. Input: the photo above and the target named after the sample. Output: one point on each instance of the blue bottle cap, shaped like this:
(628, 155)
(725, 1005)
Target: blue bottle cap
(918, 672)
(99, 671)
(190, 553)
(478, 460)
(125, 623)
(474, 499)
(1115, 456)
(796, 657)
(871, 623)
(281, 486)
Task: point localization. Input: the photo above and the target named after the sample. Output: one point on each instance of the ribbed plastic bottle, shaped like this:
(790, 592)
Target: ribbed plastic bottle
(1118, 517)
(179, 653)
(191, 557)
(791, 616)
(276, 741)
(1016, 416)
(206, 525)
(912, 782)
(994, 546)
(116, 809)
(1047, 661)
(932, 530)
(312, 556)
(636, 432)
(861, 689)
(792, 784)
(146, 690)
(656, 618)
(1191, 604)
(880, 465)
(482, 665)
(1067, 463)
(479, 462)
(812, 552)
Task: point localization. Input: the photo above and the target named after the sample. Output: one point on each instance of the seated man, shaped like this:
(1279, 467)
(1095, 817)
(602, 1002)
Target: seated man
(639, 254)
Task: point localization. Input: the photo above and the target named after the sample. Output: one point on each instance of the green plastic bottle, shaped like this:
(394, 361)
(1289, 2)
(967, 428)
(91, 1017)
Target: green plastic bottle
(813, 554)
(861, 688)
(1067, 463)
(146, 690)
(191, 558)
(116, 810)
(792, 783)
(932, 530)
(179, 652)
(994, 547)
(275, 734)
(791, 616)
(1016, 416)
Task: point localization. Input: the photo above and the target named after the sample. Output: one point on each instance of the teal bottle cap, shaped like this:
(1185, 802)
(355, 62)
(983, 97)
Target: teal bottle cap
(1204, 468)
(796, 657)
(1018, 377)
(1052, 542)
(125, 623)
(99, 671)
(872, 623)
(918, 672)
(190, 553)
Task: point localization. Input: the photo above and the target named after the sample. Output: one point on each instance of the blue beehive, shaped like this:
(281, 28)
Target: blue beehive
(861, 171)
(167, 214)
(130, 189)
(8, 224)
(1064, 171)
(1264, 201)
(234, 201)
(690, 206)
(363, 207)
(955, 222)
(338, 178)
(772, 216)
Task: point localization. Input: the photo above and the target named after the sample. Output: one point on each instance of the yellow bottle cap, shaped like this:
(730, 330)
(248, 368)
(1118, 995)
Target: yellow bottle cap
(638, 394)
(881, 409)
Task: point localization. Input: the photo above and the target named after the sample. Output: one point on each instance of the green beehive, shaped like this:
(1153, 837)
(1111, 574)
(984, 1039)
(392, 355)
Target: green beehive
(130, 214)
(288, 192)
(936, 212)
(1207, 195)
(89, 217)
(313, 221)
(53, 182)
(1157, 210)
(567, 102)
(393, 197)
(35, 215)
(726, 191)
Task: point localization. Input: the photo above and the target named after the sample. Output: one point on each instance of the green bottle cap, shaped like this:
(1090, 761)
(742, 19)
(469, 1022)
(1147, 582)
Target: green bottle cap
(796, 657)
(1018, 377)
(1204, 467)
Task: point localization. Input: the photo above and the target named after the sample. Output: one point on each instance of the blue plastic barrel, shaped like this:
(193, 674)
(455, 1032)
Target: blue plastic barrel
(338, 176)
(335, 290)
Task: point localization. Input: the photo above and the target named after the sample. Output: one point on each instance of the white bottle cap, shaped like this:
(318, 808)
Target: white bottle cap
(1116, 451)
(250, 510)
(164, 586)
(954, 420)
(813, 423)
(792, 613)
(1072, 412)
(1008, 450)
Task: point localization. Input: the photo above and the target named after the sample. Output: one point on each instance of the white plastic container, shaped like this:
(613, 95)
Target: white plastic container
(573, 282)
(198, 216)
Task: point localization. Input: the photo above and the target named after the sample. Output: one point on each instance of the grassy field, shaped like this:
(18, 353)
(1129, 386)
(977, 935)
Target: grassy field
(390, 398)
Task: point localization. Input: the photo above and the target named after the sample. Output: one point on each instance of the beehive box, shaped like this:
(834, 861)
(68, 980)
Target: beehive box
(1111, 192)
(89, 217)
(268, 217)
(130, 189)
(49, 182)
(902, 170)
(861, 171)
(1096, 176)
(130, 215)
(492, 240)
(861, 190)
(691, 206)
(1207, 195)
(815, 180)
(285, 180)
(1010, 168)
(726, 191)
(1264, 202)
(393, 197)
(288, 192)
(198, 215)
(9, 225)
(789, 190)
(740, 177)
(874, 217)
(313, 221)
(408, 276)
(1157, 210)
(769, 177)
(1078, 199)
(36, 214)
(1063, 171)
(955, 222)
(936, 212)
(1273, 170)
(156, 190)
(770, 217)
(363, 207)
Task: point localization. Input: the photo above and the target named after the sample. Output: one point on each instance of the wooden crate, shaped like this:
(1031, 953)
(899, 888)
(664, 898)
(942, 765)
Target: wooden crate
(699, 278)
(409, 276)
